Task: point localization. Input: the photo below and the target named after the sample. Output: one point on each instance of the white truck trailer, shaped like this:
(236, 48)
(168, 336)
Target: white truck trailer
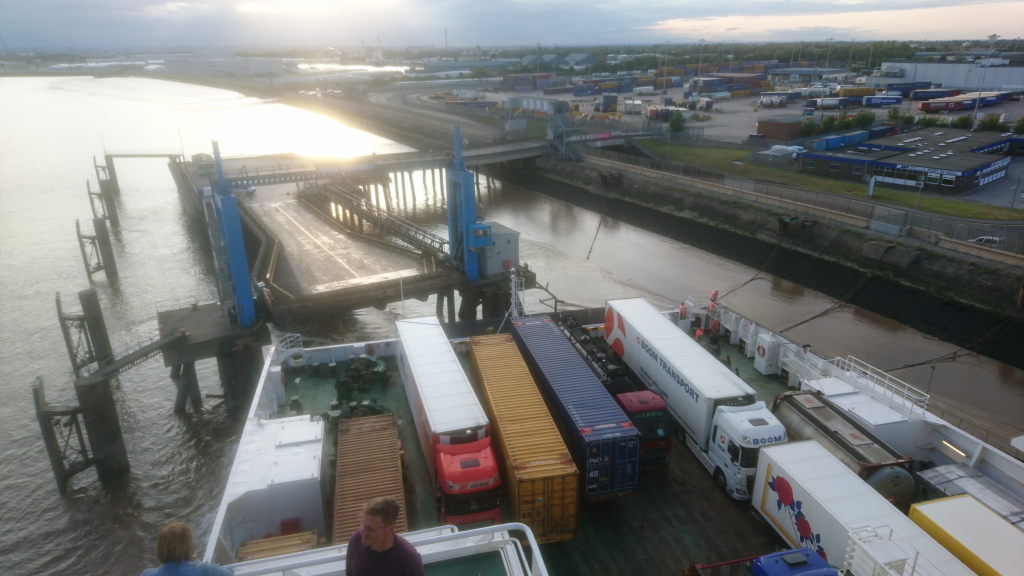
(451, 424)
(723, 423)
(813, 500)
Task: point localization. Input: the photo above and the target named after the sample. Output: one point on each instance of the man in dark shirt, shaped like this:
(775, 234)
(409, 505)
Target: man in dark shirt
(375, 549)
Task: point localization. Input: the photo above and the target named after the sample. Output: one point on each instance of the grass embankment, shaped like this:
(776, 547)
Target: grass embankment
(734, 161)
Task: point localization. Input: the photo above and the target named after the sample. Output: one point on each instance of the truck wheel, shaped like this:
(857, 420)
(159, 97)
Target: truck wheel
(720, 481)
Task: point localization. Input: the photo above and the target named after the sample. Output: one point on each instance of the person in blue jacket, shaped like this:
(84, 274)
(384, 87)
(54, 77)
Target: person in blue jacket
(174, 549)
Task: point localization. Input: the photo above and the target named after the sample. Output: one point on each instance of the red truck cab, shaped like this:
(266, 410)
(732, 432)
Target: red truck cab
(648, 412)
(469, 483)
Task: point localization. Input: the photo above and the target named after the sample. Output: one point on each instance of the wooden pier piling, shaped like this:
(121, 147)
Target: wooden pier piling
(96, 327)
(107, 208)
(102, 427)
(106, 249)
(187, 383)
(62, 437)
(97, 252)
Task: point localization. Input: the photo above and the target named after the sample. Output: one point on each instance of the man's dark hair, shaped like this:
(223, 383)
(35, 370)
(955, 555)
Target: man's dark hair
(387, 509)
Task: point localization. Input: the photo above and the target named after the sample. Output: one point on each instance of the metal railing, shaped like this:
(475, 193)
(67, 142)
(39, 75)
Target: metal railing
(433, 549)
(396, 225)
(882, 386)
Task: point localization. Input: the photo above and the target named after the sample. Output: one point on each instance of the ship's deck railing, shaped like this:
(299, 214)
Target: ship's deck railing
(801, 363)
(434, 545)
(289, 343)
(882, 386)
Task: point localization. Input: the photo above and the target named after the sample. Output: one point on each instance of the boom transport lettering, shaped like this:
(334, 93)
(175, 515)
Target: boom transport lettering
(679, 380)
(668, 369)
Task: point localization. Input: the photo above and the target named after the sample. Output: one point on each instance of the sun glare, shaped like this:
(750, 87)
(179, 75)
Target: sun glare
(285, 129)
(285, 7)
(925, 22)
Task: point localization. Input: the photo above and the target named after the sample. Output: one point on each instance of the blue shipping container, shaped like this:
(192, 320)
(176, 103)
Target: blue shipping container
(879, 131)
(851, 138)
(602, 440)
(883, 100)
(833, 142)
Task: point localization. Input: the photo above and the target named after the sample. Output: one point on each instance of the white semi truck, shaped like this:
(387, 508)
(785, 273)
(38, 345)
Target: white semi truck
(813, 500)
(718, 414)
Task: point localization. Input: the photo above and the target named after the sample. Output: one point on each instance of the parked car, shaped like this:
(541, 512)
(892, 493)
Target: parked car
(990, 241)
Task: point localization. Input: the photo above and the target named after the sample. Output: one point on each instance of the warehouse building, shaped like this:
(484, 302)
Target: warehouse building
(971, 76)
(804, 76)
(935, 159)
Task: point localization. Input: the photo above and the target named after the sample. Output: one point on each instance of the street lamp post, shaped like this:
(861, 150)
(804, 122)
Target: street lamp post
(828, 53)
(700, 64)
(1013, 200)
(977, 101)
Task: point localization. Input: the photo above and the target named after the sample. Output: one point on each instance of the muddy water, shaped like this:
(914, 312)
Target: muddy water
(54, 128)
(584, 258)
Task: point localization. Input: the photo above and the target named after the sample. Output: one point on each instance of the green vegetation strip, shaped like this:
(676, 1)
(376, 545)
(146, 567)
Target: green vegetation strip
(734, 162)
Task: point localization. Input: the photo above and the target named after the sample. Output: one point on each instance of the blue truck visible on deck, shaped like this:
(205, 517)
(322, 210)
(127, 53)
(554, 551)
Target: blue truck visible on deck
(604, 443)
(796, 562)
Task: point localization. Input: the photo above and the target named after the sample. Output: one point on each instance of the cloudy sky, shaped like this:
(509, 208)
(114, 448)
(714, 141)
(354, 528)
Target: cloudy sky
(56, 24)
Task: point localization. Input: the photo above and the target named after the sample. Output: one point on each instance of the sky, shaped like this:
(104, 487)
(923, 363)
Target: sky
(132, 24)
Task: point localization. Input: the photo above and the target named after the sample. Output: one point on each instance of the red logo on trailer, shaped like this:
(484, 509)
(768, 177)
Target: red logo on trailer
(615, 331)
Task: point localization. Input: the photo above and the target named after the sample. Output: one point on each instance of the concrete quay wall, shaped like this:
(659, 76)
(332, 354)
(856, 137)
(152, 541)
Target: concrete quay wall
(942, 293)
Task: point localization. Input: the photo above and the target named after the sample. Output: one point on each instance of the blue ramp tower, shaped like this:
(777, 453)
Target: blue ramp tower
(232, 263)
(466, 237)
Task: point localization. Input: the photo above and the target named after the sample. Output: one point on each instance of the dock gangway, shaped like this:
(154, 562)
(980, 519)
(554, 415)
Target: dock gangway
(396, 226)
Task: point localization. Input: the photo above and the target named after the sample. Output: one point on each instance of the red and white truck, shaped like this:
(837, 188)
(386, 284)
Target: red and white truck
(452, 426)
(718, 414)
(812, 500)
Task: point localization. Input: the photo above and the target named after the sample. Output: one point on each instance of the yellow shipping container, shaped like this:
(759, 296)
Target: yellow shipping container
(972, 532)
(847, 91)
(540, 477)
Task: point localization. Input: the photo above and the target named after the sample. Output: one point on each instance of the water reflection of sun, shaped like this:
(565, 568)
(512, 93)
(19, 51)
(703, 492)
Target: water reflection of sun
(269, 128)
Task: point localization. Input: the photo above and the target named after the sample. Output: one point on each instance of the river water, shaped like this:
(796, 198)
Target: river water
(52, 129)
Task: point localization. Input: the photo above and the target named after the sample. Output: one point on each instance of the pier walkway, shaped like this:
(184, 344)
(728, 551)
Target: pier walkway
(239, 174)
(315, 257)
(135, 357)
(321, 251)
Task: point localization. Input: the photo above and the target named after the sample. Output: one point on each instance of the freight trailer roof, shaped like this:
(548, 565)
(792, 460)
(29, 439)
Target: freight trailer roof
(803, 488)
(448, 398)
(975, 534)
(592, 408)
(678, 354)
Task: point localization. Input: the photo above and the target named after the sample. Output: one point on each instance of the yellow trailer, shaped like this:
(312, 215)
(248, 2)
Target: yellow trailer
(845, 91)
(971, 531)
(369, 466)
(540, 477)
